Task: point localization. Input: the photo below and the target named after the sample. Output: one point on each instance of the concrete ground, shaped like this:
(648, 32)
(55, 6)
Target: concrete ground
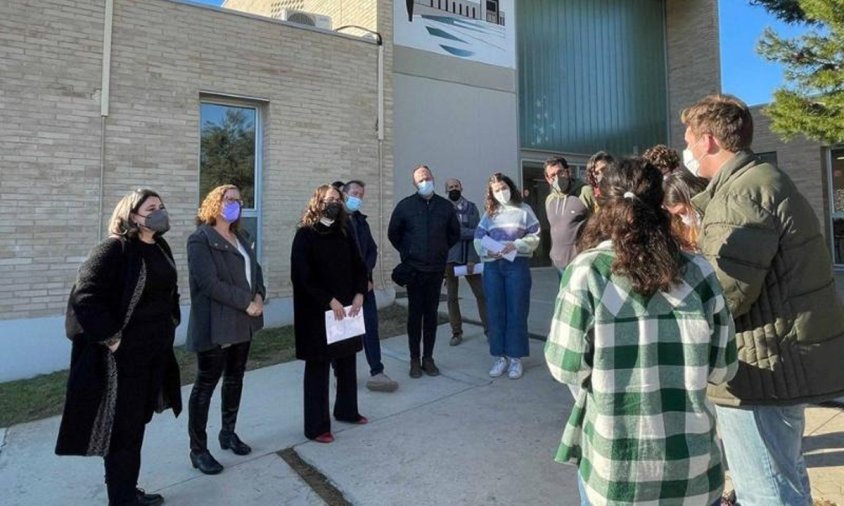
(459, 439)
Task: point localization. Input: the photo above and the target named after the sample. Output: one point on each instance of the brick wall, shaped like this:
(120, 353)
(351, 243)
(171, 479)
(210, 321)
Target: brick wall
(694, 60)
(50, 59)
(318, 104)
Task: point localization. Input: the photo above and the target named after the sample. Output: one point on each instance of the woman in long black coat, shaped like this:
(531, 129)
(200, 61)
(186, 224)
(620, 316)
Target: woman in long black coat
(328, 275)
(227, 305)
(121, 316)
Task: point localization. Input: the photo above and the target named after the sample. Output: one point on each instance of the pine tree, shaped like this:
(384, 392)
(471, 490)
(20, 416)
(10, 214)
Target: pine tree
(812, 101)
(786, 10)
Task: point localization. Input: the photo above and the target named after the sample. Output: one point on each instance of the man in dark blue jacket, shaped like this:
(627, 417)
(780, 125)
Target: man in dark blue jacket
(423, 228)
(353, 193)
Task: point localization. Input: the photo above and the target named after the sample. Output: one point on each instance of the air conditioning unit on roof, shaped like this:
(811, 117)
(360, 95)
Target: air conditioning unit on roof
(306, 18)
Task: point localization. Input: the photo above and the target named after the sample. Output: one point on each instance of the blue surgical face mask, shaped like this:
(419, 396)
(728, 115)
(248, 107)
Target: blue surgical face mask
(425, 188)
(231, 211)
(353, 203)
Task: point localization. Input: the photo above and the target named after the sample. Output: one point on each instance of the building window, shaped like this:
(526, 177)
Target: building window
(836, 200)
(230, 153)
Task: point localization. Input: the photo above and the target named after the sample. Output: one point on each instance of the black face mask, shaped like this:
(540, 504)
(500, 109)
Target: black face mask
(332, 210)
(454, 195)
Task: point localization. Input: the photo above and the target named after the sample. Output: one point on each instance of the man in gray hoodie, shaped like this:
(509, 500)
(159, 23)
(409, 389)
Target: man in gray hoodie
(567, 207)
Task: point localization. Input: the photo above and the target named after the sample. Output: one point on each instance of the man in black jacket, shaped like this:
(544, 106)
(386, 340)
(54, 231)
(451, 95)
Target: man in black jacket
(422, 228)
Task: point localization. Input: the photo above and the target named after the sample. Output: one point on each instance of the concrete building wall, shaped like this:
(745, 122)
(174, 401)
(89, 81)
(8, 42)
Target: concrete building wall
(317, 94)
(465, 132)
(693, 58)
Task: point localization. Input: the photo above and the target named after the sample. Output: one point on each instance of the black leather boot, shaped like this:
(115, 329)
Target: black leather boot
(205, 462)
(230, 401)
(230, 441)
(145, 499)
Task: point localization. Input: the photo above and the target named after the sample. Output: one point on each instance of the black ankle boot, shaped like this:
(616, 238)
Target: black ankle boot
(230, 441)
(145, 499)
(206, 463)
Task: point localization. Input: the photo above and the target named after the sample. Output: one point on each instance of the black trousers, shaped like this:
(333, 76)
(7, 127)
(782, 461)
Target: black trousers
(423, 299)
(230, 363)
(317, 420)
(139, 373)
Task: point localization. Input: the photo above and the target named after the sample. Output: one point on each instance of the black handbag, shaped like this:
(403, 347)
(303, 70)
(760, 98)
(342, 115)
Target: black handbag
(403, 274)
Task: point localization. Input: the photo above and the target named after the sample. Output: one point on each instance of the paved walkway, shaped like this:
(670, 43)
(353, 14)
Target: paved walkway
(457, 439)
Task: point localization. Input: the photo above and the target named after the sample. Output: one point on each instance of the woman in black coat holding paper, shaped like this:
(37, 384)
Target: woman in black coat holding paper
(328, 274)
(122, 316)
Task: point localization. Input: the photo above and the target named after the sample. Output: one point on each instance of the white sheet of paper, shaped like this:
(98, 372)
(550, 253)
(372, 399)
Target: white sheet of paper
(491, 244)
(462, 270)
(346, 328)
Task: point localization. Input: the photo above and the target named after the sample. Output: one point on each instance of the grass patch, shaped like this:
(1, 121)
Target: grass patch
(43, 396)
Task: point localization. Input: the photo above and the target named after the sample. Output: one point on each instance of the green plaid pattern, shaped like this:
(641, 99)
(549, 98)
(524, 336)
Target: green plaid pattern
(642, 430)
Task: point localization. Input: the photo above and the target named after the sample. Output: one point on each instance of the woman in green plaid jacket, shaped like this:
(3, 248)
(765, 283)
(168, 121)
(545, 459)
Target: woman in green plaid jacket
(641, 328)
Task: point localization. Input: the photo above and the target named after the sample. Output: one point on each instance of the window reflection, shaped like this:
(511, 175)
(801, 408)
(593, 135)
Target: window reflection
(837, 204)
(227, 149)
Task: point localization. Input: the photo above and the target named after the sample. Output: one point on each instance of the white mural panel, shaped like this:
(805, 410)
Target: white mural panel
(482, 31)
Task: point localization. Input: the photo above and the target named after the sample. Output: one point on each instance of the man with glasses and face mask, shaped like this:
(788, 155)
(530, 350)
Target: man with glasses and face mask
(764, 241)
(567, 207)
(422, 228)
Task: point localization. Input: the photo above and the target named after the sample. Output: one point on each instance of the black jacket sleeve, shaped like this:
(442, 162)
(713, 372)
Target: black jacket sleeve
(395, 230)
(452, 227)
(95, 299)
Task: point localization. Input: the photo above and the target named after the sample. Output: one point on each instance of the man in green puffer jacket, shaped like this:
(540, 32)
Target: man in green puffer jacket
(764, 241)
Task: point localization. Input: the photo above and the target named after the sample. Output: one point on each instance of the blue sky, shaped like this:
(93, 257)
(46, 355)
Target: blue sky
(743, 72)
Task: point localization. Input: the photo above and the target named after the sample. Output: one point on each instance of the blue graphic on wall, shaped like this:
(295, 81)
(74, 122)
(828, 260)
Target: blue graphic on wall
(471, 30)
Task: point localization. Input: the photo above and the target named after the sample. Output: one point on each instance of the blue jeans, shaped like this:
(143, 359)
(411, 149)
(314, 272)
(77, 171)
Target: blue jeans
(764, 448)
(507, 291)
(371, 342)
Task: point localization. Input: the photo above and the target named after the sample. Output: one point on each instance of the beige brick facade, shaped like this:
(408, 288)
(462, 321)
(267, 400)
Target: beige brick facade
(316, 92)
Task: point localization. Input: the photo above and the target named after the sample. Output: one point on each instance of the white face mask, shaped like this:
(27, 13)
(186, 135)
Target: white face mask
(502, 196)
(691, 162)
(687, 219)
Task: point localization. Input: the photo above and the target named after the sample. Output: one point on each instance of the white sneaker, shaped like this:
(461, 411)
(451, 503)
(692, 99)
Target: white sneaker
(516, 370)
(498, 367)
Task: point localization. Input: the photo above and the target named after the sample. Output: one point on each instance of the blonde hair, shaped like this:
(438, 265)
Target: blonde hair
(120, 223)
(212, 206)
(724, 117)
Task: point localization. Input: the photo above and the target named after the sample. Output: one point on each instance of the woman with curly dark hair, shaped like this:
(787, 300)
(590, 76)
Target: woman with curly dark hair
(227, 304)
(639, 329)
(328, 275)
(594, 172)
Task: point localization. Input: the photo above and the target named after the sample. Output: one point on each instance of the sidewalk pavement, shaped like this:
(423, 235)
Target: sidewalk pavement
(461, 438)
